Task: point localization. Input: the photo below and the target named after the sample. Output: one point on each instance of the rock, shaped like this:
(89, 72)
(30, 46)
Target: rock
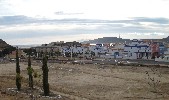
(59, 96)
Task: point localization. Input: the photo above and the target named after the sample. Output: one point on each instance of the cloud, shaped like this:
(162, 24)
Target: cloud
(63, 13)
(15, 20)
(19, 19)
(23, 27)
(154, 20)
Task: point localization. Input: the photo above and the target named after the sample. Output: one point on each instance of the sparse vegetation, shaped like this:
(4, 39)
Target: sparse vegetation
(154, 80)
(88, 81)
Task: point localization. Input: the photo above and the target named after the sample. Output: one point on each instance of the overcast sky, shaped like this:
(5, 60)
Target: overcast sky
(44, 21)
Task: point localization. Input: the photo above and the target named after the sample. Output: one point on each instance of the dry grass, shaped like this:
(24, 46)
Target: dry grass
(95, 82)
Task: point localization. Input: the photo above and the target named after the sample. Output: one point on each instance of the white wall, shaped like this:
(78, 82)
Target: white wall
(137, 48)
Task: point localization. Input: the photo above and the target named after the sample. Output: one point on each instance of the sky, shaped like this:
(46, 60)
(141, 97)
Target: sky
(43, 21)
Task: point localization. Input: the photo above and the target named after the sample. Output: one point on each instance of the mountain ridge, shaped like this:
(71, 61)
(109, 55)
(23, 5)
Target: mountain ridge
(108, 40)
(120, 40)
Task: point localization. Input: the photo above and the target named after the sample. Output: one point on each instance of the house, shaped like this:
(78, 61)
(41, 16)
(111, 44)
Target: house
(166, 53)
(162, 49)
(137, 49)
(117, 50)
(98, 49)
(73, 50)
(164, 59)
(50, 50)
(154, 50)
(53, 48)
(158, 49)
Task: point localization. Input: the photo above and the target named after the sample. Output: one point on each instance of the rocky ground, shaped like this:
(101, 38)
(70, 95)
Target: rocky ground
(89, 82)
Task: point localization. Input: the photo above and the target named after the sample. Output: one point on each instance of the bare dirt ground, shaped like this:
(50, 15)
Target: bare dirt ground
(93, 82)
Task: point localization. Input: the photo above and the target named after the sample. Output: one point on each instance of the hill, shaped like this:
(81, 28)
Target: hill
(166, 39)
(5, 48)
(108, 40)
(3, 44)
(120, 40)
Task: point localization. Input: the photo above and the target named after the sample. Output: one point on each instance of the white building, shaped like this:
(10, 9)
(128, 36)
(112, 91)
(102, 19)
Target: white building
(98, 49)
(78, 50)
(117, 50)
(137, 50)
(95, 50)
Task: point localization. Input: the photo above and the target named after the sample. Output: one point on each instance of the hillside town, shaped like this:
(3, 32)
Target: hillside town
(135, 49)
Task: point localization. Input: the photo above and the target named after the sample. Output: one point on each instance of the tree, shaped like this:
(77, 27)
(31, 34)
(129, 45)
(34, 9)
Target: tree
(45, 76)
(7, 50)
(67, 54)
(58, 53)
(18, 77)
(32, 50)
(30, 71)
(92, 53)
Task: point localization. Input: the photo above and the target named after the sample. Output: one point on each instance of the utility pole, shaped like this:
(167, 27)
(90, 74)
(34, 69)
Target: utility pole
(71, 51)
(83, 54)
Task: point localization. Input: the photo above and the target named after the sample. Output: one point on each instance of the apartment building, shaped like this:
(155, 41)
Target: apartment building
(137, 49)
